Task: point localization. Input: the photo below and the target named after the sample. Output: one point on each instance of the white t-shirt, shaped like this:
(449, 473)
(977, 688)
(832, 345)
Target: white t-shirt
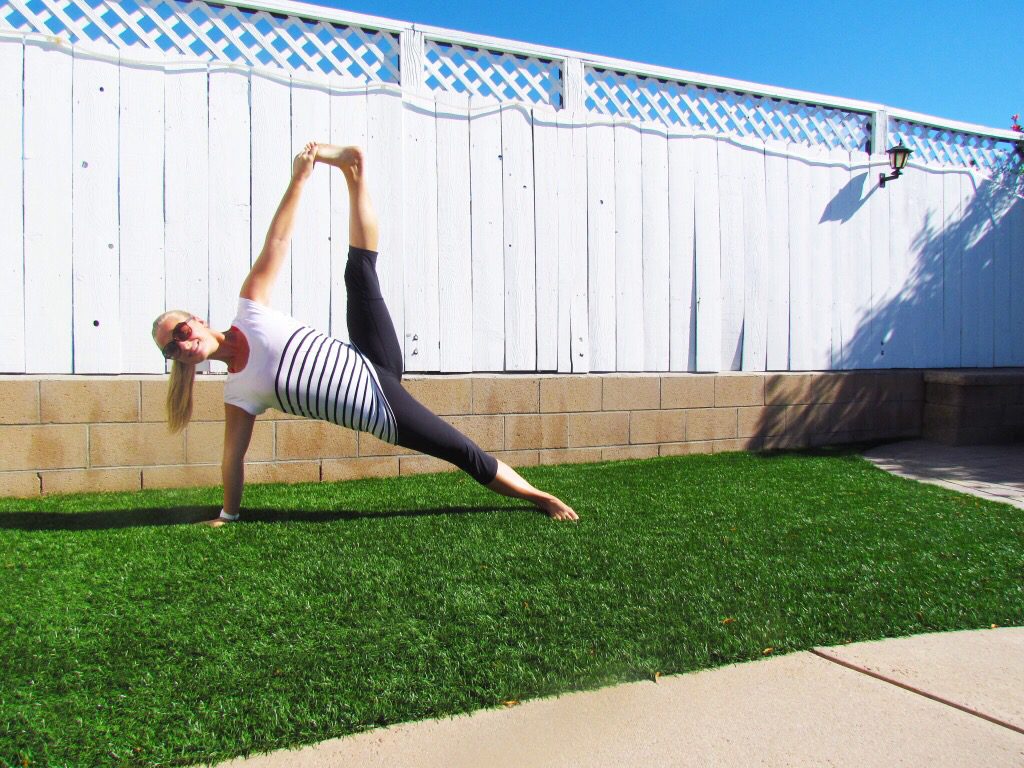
(301, 371)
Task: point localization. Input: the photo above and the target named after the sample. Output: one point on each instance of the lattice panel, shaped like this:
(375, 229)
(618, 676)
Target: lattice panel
(721, 111)
(451, 67)
(941, 146)
(214, 33)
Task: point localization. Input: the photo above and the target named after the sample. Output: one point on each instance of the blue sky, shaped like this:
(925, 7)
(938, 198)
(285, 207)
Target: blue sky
(958, 59)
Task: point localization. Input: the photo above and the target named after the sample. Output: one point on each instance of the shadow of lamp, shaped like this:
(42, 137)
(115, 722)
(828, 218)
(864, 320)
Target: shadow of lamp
(898, 157)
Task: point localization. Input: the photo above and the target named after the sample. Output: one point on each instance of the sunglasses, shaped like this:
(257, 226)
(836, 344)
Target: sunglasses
(182, 332)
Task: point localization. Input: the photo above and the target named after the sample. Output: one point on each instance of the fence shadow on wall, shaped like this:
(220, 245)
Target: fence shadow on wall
(955, 309)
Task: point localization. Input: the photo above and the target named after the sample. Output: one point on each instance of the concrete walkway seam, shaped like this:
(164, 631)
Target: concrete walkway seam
(914, 689)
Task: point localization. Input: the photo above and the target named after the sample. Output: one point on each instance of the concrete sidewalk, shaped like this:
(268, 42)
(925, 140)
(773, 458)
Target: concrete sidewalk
(993, 472)
(947, 699)
(804, 709)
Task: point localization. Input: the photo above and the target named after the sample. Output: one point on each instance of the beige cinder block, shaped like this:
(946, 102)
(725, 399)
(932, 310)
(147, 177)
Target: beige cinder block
(424, 465)
(518, 458)
(565, 394)
(207, 398)
(710, 423)
(92, 480)
(686, 449)
(447, 395)
(88, 401)
(506, 394)
(19, 402)
(283, 472)
(689, 390)
(339, 470)
(179, 476)
(631, 392)
(536, 431)
(608, 428)
(311, 439)
(126, 445)
(204, 442)
(488, 432)
(570, 456)
(738, 389)
(47, 446)
(657, 426)
(19, 484)
(623, 452)
(761, 420)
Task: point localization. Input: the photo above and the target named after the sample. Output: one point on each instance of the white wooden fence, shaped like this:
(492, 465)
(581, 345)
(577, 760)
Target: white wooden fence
(552, 221)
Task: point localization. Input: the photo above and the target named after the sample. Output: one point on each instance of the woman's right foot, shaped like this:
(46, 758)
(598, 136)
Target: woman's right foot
(348, 159)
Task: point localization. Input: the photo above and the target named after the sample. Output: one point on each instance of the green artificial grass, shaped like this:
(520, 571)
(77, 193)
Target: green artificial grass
(128, 637)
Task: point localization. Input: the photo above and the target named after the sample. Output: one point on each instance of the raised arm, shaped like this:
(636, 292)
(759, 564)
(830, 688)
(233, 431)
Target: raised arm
(260, 282)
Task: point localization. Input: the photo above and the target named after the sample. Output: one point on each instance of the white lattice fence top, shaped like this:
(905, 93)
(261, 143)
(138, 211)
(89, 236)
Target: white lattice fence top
(479, 72)
(721, 111)
(942, 146)
(214, 33)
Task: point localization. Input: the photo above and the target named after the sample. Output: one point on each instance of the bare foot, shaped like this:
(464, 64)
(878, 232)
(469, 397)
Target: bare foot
(348, 159)
(215, 523)
(558, 510)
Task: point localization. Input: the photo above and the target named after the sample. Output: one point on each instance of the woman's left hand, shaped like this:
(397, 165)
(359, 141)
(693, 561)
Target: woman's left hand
(302, 165)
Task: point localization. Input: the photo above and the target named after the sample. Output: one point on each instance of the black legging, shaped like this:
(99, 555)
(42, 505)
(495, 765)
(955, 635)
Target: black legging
(371, 331)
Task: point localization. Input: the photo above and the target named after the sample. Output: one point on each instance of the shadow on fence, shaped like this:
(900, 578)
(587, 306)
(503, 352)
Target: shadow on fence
(951, 263)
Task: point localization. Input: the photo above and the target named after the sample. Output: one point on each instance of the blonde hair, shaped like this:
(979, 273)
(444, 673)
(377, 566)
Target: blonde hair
(179, 387)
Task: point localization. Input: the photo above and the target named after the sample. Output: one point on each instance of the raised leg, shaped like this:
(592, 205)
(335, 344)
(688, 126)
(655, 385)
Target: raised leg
(508, 482)
(362, 218)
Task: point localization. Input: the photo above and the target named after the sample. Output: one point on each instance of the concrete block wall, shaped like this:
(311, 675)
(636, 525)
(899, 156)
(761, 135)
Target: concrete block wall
(974, 407)
(107, 433)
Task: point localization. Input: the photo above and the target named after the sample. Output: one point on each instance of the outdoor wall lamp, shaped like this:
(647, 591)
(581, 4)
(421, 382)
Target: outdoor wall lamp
(898, 157)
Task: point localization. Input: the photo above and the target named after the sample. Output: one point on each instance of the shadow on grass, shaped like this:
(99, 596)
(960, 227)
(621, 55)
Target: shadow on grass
(160, 516)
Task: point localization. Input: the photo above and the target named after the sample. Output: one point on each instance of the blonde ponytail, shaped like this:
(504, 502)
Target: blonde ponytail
(179, 387)
(179, 396)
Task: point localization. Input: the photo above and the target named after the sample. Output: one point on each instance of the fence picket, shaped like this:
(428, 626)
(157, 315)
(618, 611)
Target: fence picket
(272, 150)
(801, 313)
(454, 232)
(95, 243)
(422, 314)
(929, 286)
(952, 259)
(856, 276)
(141, 212)
(488, 235)
(311, 244)
(186, 196)
(12, 246)
(839, 260)
(520, 238)
(629, 250)
(971, 268)
(756, 267)
(1002, 275)
(230, 213)
(777, 256)
(545, 160)
(348, 128)
(821, 262)
(731, 216)
(571, 173)
(707, 256)
(601, 242)
(385, 161)
(656, 264)
(1016, 217)
(682, 250)
(883, 291)
(48, 214)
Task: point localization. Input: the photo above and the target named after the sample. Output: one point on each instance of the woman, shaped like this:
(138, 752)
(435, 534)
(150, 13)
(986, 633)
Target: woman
(275, 361)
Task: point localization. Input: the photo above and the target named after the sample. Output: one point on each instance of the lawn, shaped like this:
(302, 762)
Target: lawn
(129, 637)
